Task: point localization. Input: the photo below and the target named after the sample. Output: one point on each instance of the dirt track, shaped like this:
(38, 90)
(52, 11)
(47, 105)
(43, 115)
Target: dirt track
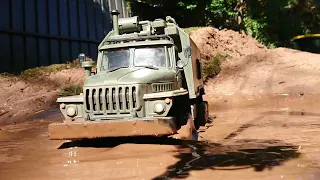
(278, 139)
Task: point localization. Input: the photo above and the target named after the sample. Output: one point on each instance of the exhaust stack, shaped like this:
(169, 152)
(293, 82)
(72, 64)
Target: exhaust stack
(115, 19)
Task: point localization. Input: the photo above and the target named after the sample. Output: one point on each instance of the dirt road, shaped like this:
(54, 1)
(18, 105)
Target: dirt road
(268, 138)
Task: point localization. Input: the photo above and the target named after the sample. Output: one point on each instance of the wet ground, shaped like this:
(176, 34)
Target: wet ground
(275, 139)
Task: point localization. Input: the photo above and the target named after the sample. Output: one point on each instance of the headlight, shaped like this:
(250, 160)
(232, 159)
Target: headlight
(71, 111)
(158, 107)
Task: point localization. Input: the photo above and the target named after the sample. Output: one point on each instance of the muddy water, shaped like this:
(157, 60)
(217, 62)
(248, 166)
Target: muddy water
(263, 139)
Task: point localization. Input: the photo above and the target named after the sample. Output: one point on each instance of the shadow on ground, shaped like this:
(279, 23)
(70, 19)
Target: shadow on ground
(231, 155)
(113, 142)
(234, 155)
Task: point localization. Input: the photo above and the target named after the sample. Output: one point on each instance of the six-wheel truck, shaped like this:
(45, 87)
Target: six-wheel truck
(147, 82)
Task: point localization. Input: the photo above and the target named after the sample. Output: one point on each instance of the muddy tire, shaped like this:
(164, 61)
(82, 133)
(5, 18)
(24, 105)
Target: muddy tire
(202, 114)
(187, 130)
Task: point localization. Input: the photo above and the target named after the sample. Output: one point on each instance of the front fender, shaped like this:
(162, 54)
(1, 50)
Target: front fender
(71, 101)
(165, 98)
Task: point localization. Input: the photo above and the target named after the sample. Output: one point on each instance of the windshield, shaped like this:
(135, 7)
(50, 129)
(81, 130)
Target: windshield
(154, 56)
(113, 59)
(142, 57)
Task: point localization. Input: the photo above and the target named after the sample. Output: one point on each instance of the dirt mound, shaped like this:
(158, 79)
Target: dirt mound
(278, 71)
(211, 41)
(21, 98)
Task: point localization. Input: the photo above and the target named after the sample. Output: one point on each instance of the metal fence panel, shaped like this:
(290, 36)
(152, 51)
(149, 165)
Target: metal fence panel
(43, 32)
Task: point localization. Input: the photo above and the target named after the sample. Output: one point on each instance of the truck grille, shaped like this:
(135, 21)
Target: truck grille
(159, 87)
(111, 100)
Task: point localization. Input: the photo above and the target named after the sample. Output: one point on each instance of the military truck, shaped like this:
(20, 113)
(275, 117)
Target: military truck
(147, 82)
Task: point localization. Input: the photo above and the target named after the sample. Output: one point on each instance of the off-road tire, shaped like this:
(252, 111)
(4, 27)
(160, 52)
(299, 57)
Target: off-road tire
(187, 129)
(202, 114)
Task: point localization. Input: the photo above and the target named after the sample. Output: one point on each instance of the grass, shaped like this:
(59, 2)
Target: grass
(212, 67)
(37, 72)
(70, 90)
(5, 76)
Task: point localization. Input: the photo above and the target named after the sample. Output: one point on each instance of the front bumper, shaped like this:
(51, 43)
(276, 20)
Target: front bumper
(112, 128)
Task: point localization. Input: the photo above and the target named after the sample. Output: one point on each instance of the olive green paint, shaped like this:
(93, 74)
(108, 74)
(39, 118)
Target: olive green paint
(131, 33)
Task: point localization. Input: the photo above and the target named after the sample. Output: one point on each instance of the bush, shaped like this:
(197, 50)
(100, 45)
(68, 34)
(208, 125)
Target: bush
(70, 90)
(211, 67)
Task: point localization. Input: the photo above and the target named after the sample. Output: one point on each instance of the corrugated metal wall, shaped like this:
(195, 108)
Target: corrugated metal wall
(43, 32)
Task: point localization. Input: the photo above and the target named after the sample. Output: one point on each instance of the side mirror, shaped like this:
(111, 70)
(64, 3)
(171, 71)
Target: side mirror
(86, 65)
(82, 58)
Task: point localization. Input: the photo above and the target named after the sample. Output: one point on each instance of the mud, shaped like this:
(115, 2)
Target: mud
(259, 140)
(279, 71)
(21, 98)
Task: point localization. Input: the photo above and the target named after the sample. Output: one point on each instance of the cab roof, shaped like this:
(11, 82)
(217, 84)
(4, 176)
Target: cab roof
(120, 42)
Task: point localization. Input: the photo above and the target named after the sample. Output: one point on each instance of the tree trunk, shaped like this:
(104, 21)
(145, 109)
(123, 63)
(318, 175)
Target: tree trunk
(201, 13)
(239, 16)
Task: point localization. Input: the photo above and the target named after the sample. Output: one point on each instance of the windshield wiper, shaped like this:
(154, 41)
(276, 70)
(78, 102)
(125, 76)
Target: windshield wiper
(150, 67)
(114, 69)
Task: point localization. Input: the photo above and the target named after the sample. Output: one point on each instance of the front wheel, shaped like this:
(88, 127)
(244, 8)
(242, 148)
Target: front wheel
(187, 129)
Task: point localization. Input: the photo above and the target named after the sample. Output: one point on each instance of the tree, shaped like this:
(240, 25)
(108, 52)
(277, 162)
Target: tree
(239, 17)
(273, 22)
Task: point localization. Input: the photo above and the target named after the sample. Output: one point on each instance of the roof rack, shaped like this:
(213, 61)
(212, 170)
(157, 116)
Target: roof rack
(140, 38)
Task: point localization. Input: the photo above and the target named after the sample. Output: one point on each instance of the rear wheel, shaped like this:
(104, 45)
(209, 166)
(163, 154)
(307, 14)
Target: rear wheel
(202, 114)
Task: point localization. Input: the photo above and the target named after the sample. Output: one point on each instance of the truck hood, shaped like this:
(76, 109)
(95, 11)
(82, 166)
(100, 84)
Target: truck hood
(130, 76)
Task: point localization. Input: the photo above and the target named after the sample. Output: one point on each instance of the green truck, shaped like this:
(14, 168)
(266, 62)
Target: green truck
(147, 82)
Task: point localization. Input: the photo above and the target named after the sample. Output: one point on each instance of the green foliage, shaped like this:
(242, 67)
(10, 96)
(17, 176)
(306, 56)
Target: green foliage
(187, 5)
(275, 22)
(272, 22)
(256, 29)
(221, 13)
(212, 67)
(70, 90)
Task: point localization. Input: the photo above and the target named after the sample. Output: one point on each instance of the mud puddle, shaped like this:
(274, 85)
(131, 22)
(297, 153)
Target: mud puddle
(240, 143)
